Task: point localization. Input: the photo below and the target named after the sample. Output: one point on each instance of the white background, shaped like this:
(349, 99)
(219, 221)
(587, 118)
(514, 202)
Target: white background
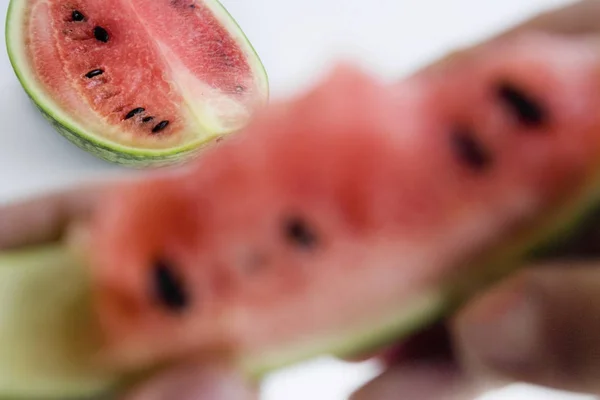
(296, 40)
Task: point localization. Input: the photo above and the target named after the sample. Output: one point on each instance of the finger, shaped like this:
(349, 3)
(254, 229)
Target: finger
(430, 344)
(195, 382)
(582, 17)
(541, 326)
(44, 218)
(423, 381)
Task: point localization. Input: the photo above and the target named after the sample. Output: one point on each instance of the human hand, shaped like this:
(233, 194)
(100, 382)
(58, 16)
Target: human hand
(47, 218)
(541, 326)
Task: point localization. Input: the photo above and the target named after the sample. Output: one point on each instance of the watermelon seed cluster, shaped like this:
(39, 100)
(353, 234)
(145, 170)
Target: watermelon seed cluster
(528, 111)
(102, 35)
(138, 110)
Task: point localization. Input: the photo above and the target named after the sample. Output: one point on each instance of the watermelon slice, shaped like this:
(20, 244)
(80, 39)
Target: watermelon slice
(338, 222)
(140, 83)
(408, 198)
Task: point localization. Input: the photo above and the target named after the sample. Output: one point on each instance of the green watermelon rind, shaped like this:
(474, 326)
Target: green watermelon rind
(94, 144)
(418, 312)
(26, 269)
(113, 155)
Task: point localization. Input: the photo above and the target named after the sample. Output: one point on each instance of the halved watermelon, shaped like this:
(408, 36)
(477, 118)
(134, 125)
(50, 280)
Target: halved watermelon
(142, 82)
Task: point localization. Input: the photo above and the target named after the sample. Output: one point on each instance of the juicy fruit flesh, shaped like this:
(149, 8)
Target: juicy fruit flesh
(141, 73)
(377, 176)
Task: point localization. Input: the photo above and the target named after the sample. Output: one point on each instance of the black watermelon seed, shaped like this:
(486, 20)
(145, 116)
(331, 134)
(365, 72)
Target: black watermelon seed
(134, 112)
(168, 288)
(101, 34)
(528, 110)
(239, 88)
(299, 233)
(469, 150)
(147, 119)
(94, 72)
(77, 16)
(160, 126)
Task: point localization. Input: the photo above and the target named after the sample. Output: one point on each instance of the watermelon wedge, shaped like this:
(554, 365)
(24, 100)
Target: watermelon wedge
(409, 198)
(337, 223)
(139, 83)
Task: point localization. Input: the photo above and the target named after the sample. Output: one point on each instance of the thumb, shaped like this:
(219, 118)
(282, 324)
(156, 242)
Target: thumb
(195, 382)
(540, 327)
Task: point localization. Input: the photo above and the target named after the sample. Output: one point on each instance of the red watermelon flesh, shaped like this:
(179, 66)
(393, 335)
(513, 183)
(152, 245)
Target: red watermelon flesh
(334, 214)
(121, 68)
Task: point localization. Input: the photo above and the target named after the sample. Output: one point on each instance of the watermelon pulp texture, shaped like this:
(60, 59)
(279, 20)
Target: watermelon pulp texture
(140, 82)
(350, 215)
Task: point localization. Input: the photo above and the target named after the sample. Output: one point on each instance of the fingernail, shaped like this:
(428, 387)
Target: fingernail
(503, 330)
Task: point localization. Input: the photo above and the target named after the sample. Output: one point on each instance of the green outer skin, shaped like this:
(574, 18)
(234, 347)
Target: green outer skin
(110, 151)
(53, 336)
(416, 313)
(130, 158)
(52, 317)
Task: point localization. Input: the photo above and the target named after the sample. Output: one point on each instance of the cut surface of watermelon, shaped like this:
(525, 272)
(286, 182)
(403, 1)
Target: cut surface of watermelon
(138, 82)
